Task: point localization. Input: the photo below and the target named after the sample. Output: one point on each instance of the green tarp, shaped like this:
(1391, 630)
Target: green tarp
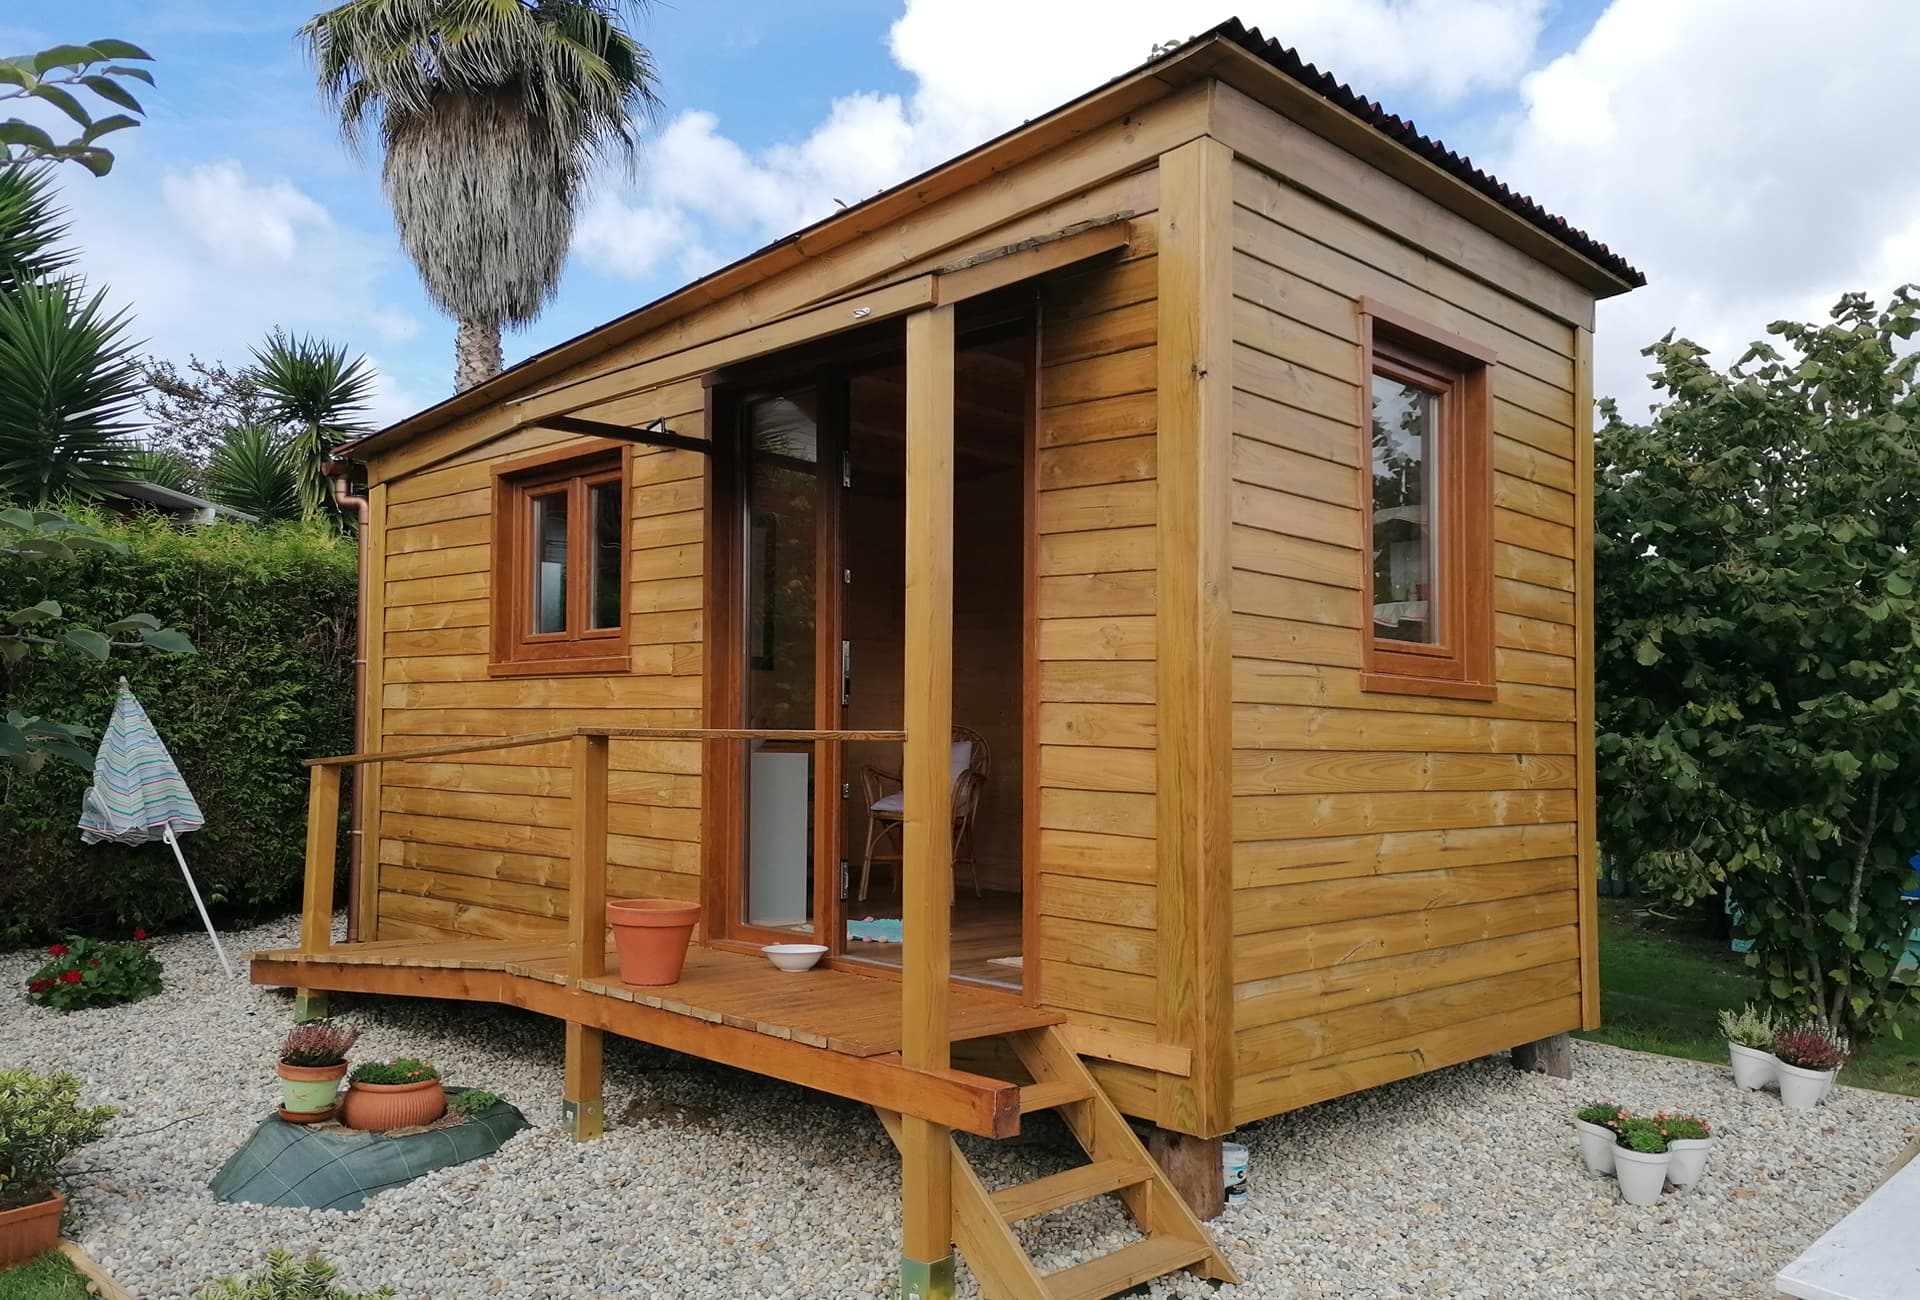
(292, 1164)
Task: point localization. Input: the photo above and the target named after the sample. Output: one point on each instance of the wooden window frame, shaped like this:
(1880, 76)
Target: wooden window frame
(1459, 663)
(577, 469)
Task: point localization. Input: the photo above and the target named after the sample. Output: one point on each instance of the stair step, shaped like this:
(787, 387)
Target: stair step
(1125, 1268)
(1053, 1092)
(1071, 1187)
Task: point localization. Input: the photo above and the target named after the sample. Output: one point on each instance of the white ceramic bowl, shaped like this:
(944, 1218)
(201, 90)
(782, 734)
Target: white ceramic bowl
(794, 956)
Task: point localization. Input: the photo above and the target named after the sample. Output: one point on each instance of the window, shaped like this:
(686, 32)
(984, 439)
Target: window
(560, 565)
(1428, 507)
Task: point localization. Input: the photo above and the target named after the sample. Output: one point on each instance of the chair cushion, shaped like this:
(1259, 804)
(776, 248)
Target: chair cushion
(891, 803)
(960, 758)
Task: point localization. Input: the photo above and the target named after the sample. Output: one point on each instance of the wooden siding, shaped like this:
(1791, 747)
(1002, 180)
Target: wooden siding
(1405, 878)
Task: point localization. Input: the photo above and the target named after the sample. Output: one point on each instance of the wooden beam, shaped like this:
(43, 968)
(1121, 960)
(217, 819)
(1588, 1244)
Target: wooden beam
(316, 901)
(582, 1108)
(365, 903)
(483, 743)
(926, 1267)
(997, 268)
(1585, 809)
(625, 433)
(1193, 634)
(1552, 1055)
(583, 1111)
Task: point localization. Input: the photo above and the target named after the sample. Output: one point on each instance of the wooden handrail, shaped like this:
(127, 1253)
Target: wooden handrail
(611, 733)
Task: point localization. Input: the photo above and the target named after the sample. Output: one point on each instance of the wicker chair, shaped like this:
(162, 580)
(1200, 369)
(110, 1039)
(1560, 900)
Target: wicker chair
(886, 810)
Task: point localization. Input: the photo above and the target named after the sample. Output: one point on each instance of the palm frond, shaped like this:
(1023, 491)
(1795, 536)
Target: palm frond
(30, 227)
(320, 396)
(166, 467)
(253, 469)
(70, 385)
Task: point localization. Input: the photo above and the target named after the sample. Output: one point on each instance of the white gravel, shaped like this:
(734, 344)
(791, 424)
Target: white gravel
(710, 1182)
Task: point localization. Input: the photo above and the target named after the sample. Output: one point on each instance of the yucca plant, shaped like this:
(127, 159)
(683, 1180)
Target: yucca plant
(31, 228)
(253, 469)
(321, 398)
(166, 467)
(69, 392)
(491, 114)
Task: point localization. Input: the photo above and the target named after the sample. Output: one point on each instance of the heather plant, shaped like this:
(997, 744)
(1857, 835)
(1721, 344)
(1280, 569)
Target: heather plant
(1750, 1026)
(285, 1280)
(472, 1101)
(1810, 1045)
(84, 973)
(318, 1044)
(1647, 1134)
(41, 1123)
(401, 1069)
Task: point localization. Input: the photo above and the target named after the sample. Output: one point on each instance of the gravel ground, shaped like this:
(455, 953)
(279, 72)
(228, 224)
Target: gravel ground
(1464, 1183)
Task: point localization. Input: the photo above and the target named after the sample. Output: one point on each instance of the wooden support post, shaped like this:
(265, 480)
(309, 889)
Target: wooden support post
(1585, 779)
(583, 1110)
(1194, 1168)
(1552, 1056)
(926, 1149)
(316, 903)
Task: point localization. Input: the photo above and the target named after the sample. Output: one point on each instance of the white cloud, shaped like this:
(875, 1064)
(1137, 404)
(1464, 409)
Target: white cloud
(1753, 159)
(241, 221)
(981, 67)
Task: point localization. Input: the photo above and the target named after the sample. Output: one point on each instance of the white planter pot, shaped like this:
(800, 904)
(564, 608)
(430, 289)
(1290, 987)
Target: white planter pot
(1802, 1089)
(1641, 1176)
(1752, 1066)
(1689, 1160)
(1596, 1146)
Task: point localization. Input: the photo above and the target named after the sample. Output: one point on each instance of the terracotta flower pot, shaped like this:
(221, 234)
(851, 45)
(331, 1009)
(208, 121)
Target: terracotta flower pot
(30, 1230)
(377, 1107)
(651, 935)
(310, 1089)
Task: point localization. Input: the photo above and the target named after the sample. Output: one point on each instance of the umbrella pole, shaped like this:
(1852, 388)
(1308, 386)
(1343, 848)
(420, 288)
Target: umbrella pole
(173, 841)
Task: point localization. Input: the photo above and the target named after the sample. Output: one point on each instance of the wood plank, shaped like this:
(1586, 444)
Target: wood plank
(1128, 1267)
(1068, 1187)
(1325, 903)
(1586, 816)
(1296, 861)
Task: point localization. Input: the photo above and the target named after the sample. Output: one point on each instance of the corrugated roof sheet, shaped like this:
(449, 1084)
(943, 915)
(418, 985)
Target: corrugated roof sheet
(1344, 97)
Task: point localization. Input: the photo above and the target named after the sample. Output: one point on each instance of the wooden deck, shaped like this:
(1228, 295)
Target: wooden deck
(826, 1029)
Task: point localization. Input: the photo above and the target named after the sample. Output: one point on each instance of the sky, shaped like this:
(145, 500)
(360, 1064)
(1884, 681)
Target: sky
(1749, 155)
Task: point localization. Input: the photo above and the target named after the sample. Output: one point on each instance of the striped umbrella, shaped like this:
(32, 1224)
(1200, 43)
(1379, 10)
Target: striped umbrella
(138, 796)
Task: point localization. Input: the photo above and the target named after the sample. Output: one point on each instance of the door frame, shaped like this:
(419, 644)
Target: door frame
(825, 368)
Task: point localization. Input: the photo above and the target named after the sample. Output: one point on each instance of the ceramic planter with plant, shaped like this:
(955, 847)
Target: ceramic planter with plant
(401, 1093)
(1750, 1034)
(1598, 1128)
(313, 1060)
(41, 1123)
(651, 935)
(1689, 1140)
(1806, 1057)
(1641, 1160)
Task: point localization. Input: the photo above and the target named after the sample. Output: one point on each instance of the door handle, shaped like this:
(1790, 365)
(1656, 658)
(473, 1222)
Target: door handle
(846, 673)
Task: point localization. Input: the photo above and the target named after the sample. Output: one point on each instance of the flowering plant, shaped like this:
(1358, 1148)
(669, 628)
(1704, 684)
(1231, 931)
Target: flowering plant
(318, 1044)
(1750, 1026)
(1607, 1114)
(1687, 1128)
(401, 1069)
(1811, 1046)
(88, 973)
(1647, 1134)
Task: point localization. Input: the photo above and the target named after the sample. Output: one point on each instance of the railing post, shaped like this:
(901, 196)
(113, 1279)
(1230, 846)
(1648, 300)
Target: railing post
(582, 1107)
(926, 1257)
(316, 903)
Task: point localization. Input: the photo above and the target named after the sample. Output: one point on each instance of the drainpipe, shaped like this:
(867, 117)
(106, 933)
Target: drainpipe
(337, 472)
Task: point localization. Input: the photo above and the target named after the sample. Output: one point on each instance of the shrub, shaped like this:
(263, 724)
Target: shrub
(401, 1069)
(1601, 1112)
(1687, 1128)
(286, 1280)
(471, 1101)
(41, 1123)
(317, 1044)
(271, 611)
(1644, 1133)
(87, 973)
(1811, 1046)
(1750, 1026)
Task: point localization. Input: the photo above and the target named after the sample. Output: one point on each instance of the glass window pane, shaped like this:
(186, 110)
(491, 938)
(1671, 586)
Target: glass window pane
(608, 519)
(550, 563)
(1406, 423)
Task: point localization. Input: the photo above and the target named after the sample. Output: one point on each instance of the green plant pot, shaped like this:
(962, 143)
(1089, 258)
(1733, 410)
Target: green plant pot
(310, 1090)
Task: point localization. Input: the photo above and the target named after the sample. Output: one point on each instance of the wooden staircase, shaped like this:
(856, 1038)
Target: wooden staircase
(1117, 1164)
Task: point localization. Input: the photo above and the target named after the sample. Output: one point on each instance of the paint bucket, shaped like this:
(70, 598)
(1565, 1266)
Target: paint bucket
(1233, 1169)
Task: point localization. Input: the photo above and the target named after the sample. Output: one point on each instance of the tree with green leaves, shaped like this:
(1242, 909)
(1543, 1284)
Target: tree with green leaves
(491, 116)
(57, 77)
(1757, 562)
(190, 407)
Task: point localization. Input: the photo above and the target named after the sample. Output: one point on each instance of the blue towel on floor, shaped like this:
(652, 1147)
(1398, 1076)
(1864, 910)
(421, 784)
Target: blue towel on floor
(886, 930)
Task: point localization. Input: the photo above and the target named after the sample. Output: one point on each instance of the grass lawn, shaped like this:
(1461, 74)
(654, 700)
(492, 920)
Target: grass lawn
(49, 1277)
(1662, 987)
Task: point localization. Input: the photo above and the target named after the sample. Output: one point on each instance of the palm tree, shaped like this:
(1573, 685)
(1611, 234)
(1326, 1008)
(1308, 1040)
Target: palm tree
(254, 469)
(320, 398)
(492, 114)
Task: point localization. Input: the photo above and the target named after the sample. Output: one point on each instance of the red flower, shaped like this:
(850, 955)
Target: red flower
(93, 961)
(70, 977)
(139, 934)
(58, 950)
(39, 986)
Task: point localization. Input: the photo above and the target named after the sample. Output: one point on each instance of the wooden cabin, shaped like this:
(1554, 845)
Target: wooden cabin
(1126, 592)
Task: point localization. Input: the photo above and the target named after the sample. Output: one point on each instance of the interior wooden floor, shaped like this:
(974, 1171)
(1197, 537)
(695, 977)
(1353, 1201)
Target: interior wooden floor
(986, 930)
(833, 1030)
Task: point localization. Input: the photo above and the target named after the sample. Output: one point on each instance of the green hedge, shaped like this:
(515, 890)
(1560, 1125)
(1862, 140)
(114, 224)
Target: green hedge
(272, 613)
